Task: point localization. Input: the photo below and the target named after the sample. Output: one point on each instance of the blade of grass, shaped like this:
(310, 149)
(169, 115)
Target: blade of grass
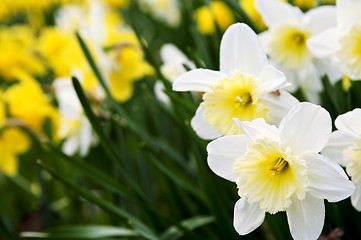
(139, 226)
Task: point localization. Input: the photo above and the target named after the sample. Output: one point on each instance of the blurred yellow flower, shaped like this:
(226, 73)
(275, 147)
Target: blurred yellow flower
(16, 52)
(12, 143)
(63, 54)
(251, 11)
(308, 4)
(218, 12)
(128, 64)
(27, 101)
(117, 3)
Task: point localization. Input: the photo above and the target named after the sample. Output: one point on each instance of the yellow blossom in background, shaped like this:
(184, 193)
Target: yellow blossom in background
(63, 54)
(218, 12)
(12, 143)
(117, 3)
(128, 64)
(17, 53)
(251, 11)
(308, 4)
(27, 102)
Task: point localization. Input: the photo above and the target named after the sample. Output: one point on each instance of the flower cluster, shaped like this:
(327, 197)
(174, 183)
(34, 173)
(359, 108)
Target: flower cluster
(267, 142)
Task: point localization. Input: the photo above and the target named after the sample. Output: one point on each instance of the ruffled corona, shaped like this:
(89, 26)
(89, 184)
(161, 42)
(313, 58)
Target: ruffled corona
(349, 53)
(270, 176)
(288, 46)
(230, 98)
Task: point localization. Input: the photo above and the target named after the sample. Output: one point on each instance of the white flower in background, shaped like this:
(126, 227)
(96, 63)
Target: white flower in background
(342, 43)
(345, 148)
(246, 87)
(285, 43)
(172, 67)
(280, 169)
(74, 127)
(70, 18)
(164, 10)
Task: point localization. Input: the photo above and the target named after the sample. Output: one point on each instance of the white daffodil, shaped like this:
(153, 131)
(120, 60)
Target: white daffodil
(74, 125)
(164, 10)
(280, 169)
(246, 87)
(285, 43)
(345, 148)
(70, 18)
(172, 67)
(342, 43)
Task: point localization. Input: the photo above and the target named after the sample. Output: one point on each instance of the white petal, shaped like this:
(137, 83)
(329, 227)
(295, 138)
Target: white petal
(320, 18)
(350, 122)
(338, 142)
(305, 129)
(356, 198)
(85, 137)
(71, 145)
(278, 105)
(348, 12)
(197, 80)
(247, 216)
(202, 127)
(222, 153)
(274, 12)
(241, 51)
(324, 44)
(324, 66)
(327, 179)
(271, 80)
(306, 218)
(258, 128)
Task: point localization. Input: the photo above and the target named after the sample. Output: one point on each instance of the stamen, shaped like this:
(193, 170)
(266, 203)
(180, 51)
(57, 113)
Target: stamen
(279, 166)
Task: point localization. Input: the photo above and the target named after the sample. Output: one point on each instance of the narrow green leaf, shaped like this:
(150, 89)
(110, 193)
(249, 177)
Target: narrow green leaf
(173, 232)
(82, 232)
(105, 142)
(140, 227)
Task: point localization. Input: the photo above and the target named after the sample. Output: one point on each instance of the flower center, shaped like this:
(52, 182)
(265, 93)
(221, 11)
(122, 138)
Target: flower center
(281, 163)
(349, 53)
(353, 154)
(288, 46)
(270, 176)
(234, 97)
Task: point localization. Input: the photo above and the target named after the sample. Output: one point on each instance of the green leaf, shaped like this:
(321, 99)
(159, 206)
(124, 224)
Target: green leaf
(173, 232)
(140, 227)
(82, 232)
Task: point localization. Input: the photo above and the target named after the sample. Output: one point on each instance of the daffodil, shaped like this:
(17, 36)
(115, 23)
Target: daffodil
(172, 67)
(246, 87)
(27, 102)
(74, 126)
(218, 13)
(166, 11)
(345, 148)
(280, 169)
(342, 42)
(285, 43)
(123, 62)
(12, 143)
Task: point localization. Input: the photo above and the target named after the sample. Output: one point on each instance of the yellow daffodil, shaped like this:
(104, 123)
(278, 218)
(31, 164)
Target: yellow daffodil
(218, 13)
(246, 86)
(17, 53)
(12, 143)
(342, 43)
(280, 169)
(345, 148)
(285, 43)
(27, 101)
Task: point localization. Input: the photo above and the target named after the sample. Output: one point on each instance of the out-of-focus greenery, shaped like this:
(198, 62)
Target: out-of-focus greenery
(147, 178)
